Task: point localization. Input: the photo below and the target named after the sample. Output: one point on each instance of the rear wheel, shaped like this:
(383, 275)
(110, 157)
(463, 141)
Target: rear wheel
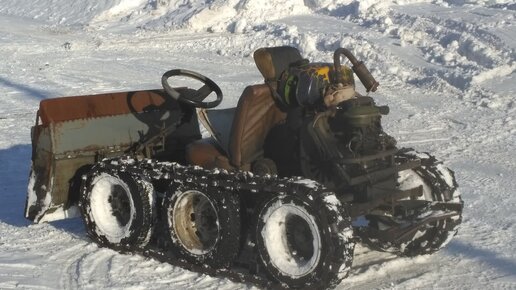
(304, 241)
(117, 208)
(203, 225)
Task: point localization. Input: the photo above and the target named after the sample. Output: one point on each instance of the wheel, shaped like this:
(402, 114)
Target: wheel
(305, 241)
(190, 96)
(203, 225)
(439, 185)
(117, 208)
(315, 167)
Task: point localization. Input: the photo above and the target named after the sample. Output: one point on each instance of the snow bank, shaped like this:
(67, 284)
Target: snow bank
(74, 12)
(236, 16)
(478, 53)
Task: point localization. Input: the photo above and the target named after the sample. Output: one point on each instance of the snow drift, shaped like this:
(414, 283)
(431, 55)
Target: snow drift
(215, 15)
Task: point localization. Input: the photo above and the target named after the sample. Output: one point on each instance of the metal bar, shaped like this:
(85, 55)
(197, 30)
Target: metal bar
(358, 209)
(406, 233)
(375, 175)
(455, 206)
(403, 233)
(369, 157)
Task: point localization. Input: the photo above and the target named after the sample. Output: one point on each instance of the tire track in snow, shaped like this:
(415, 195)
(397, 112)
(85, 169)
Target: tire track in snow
(72, 257)
(90, 267)
(380, 270)
(29, 258)
(13, 271)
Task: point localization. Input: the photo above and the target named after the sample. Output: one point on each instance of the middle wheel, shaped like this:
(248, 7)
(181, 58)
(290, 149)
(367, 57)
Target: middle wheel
(203, 224)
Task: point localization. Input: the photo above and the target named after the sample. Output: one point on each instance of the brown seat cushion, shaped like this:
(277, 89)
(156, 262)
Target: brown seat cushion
(256, 114)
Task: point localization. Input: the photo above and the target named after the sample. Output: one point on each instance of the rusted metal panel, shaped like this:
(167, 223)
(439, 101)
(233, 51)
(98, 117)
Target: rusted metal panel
(65, 174)
(41, 138)
(74, 132)
(95, 106)
(94, 134)
(40, 183)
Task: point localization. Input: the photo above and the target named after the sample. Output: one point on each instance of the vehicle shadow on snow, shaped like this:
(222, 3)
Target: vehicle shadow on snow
(491, 258)
(36, 93)
(14, 176)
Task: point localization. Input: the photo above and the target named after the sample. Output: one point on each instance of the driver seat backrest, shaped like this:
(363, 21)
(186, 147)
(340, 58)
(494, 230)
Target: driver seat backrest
(257, 112)
(272, 61)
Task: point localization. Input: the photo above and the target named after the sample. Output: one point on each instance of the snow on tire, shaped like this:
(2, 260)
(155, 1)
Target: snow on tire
(439, 185)
(305, 241)
(117, 208)
(202, 224)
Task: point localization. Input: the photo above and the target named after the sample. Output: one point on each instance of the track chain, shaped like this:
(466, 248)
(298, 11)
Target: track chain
(232, 181)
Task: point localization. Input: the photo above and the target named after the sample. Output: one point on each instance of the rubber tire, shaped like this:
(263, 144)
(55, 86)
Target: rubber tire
(440, 233)
(336, 237)
(141, 192)
(227, 207)
(314, 166)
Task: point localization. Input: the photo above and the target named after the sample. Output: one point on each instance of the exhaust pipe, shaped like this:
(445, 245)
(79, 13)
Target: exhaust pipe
(366, 78)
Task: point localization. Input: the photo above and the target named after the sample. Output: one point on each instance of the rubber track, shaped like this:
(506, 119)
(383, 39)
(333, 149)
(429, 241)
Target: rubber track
(230, 181)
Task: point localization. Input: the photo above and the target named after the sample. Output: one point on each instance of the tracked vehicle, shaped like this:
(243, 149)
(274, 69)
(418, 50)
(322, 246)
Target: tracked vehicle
(278, 194)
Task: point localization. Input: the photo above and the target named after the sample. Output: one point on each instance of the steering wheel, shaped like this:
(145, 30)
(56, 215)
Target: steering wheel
(190, 96)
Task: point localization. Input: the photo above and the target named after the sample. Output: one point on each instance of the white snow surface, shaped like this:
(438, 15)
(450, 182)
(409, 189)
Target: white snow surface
(446, 69)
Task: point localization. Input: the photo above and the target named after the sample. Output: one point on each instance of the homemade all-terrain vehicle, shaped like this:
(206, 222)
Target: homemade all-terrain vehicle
(278, 194)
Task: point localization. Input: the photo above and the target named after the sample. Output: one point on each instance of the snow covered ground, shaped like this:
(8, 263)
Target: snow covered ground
(447, 70)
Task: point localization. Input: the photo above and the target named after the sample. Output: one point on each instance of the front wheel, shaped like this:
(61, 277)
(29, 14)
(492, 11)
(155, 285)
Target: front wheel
(305, 241)
(440, 196)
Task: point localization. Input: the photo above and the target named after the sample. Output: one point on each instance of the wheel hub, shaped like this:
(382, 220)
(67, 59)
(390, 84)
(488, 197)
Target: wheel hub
(112, 208)
(120, 204)
(292, 239)
(195, 222)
